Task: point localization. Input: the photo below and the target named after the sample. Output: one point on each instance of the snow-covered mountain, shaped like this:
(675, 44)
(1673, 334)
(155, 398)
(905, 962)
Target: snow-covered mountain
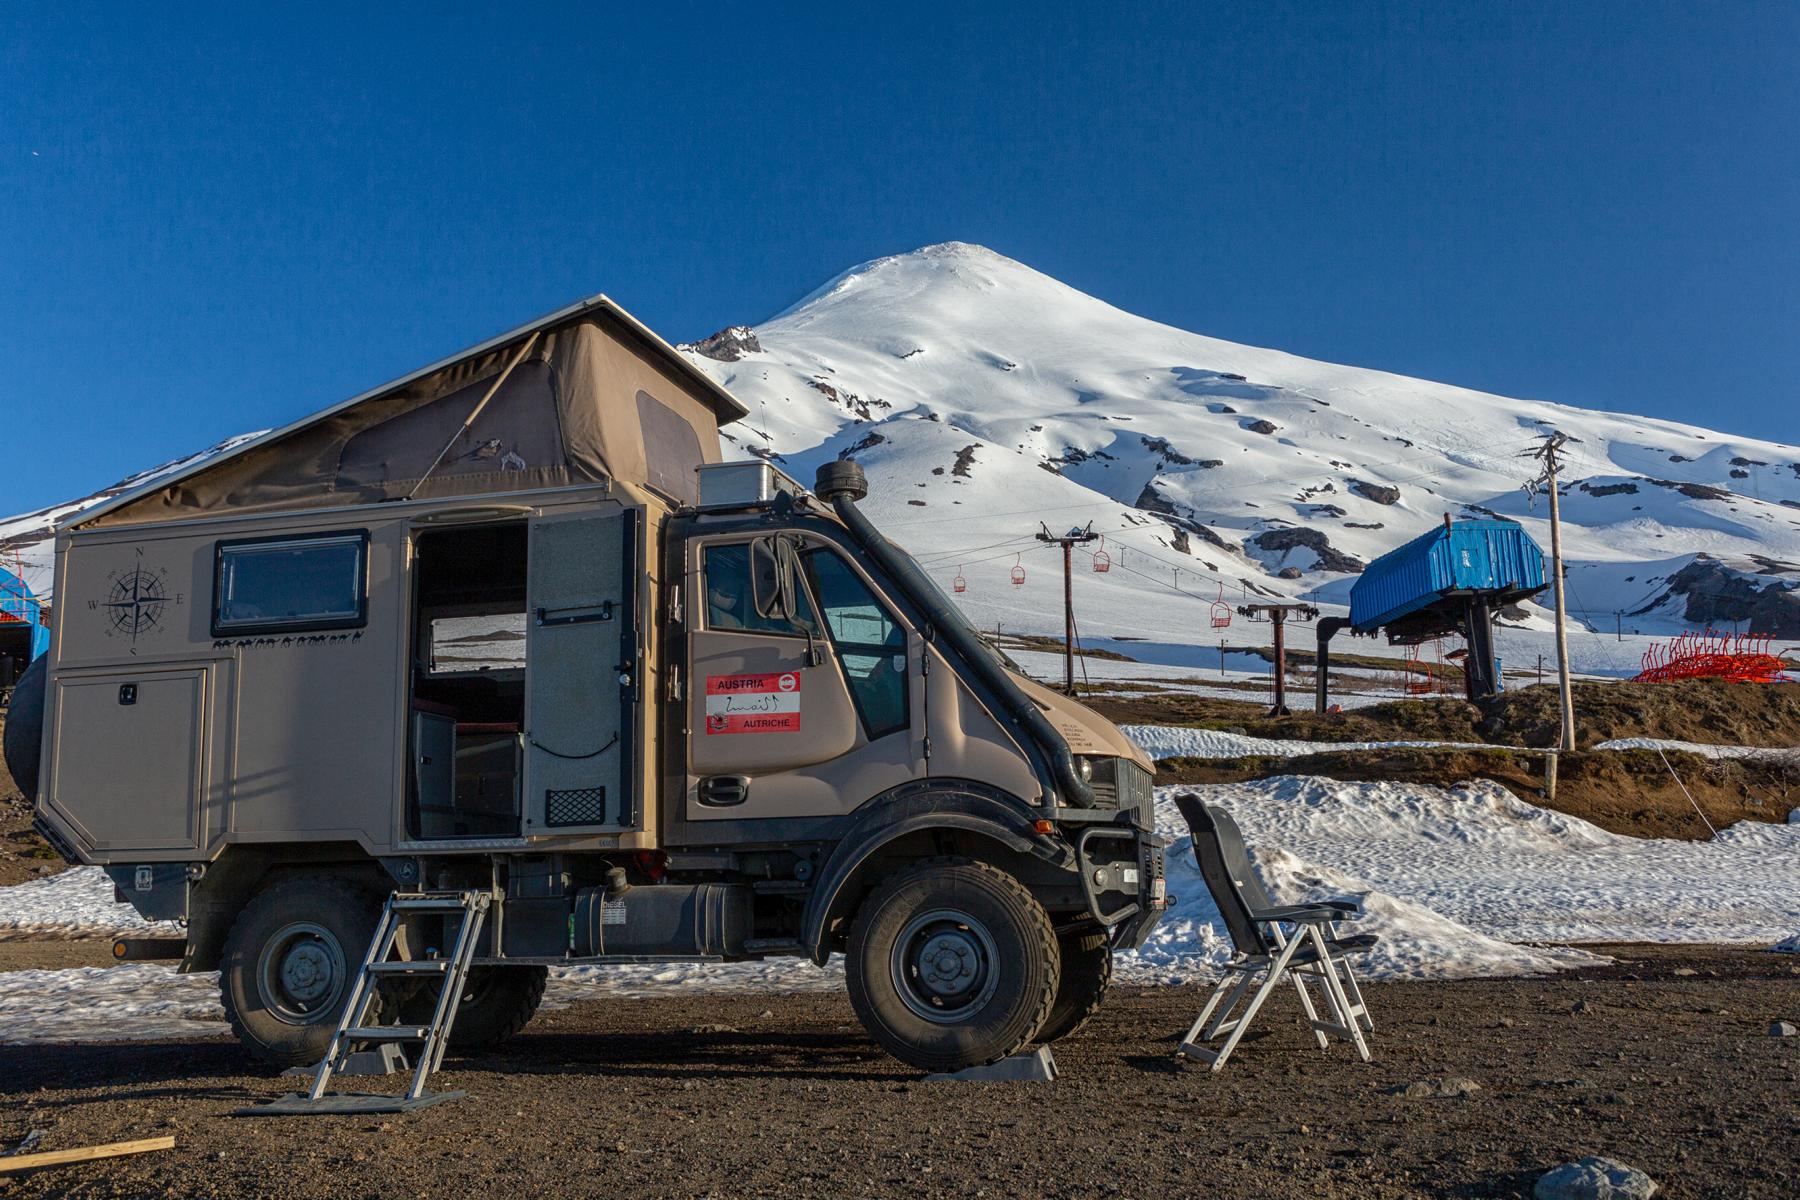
(983, 397)
(25, 539)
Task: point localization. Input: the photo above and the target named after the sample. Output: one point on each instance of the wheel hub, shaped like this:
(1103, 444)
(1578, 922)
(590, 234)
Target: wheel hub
(949, 963)
(300, 973)
(944, 966)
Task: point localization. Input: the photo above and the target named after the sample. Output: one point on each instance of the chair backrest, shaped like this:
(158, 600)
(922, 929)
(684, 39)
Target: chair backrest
(1210, 856)
(1237, 860)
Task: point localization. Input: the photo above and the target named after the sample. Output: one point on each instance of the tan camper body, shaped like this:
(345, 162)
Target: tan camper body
(509, 623)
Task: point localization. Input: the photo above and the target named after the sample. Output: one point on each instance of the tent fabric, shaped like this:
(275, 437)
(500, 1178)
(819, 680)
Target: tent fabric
(567, 413)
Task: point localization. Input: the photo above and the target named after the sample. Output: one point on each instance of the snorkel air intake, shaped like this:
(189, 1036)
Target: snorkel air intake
(841, 484)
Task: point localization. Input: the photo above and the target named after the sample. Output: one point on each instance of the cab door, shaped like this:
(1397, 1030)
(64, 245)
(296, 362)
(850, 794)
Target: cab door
(801, 716)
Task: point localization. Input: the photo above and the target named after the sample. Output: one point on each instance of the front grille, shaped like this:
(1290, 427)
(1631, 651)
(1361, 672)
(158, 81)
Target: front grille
(1134, 787)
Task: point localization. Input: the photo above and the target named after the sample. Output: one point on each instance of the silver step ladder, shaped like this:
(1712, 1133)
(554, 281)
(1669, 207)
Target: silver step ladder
(451, 973)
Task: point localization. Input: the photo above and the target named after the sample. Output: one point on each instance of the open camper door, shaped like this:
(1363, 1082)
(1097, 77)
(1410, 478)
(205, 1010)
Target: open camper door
(581, 674)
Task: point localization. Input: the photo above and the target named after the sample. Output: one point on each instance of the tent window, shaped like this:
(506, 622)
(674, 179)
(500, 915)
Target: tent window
(318, 581)
(671, 450)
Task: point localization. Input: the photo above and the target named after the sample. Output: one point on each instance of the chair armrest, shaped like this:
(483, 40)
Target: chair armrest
(1305, 914)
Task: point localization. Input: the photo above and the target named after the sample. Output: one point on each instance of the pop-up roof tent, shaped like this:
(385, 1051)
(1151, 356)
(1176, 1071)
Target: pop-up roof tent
(585, 394)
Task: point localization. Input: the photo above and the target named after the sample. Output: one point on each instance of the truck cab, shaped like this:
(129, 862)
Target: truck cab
(663, 707)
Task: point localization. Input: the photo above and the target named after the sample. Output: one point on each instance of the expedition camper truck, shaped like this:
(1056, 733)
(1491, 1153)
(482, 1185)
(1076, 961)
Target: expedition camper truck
(509, 625)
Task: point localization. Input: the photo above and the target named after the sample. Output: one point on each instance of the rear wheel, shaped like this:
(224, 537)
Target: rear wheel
(1086, 974)
(497, 1002)
(952, 964)
(289, 963)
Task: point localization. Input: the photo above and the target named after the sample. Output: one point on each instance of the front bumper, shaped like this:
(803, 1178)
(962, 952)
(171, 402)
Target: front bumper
(1123, 880)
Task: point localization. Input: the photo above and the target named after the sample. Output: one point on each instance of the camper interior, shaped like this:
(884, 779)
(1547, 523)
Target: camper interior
(468, 681)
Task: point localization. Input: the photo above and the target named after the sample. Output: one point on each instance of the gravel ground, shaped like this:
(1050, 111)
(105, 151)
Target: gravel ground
(1662, 1061)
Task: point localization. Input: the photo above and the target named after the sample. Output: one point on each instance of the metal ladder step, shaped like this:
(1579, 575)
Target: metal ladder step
(426, 966)
(441, 904)
(387, 1033)
(449, 974)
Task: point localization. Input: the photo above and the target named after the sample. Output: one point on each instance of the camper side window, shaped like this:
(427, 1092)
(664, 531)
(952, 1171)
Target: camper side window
(317, 581)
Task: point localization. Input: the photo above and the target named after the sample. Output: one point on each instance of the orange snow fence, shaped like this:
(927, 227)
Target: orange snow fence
(1738, 658)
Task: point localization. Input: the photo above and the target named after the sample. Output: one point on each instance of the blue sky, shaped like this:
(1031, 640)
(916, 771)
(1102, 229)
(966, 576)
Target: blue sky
(217, 219)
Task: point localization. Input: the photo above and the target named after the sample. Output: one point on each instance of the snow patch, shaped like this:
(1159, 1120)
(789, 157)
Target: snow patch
(1477, 854)
(1177, 741)
(134, 1002)
(1700, 748)
(76, 903)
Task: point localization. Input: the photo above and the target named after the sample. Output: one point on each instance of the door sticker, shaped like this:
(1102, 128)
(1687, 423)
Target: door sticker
(753, 703)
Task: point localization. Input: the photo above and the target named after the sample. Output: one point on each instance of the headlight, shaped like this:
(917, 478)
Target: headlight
(1085, 767)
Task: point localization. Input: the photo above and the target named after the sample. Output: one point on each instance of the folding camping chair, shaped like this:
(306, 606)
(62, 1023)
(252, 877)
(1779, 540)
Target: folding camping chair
(1272, 942)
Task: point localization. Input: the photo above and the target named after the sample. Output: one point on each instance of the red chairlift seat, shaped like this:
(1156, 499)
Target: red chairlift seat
(1102, 561)
(1221, 611)
(959, 584)
(1018, 573)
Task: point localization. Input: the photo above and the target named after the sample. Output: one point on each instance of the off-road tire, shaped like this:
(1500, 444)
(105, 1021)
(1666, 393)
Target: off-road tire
(1087, 965)
(1011, 995)
(25, 728)
(345, 916)
(497, 1002)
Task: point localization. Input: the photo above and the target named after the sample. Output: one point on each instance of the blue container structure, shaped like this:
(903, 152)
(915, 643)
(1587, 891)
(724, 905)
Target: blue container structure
(23, 634)
(1411, 591)
(1447, 581)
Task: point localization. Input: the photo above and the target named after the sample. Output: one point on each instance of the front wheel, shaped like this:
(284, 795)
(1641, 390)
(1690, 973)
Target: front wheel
(952, 964)
(1087, 963)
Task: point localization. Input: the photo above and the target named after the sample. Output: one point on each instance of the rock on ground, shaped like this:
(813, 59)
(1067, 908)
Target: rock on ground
(1595, 1178)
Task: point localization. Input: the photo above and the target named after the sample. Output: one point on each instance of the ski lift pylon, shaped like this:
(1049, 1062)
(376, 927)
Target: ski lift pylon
(1018, 572)
(1221, 611)
(959, 584)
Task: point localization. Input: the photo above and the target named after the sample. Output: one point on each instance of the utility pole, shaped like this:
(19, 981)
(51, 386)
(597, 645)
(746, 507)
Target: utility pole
(1067, 541)
(1549, 453)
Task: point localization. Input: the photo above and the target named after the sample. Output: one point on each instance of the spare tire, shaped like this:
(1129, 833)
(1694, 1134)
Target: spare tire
(25, 728)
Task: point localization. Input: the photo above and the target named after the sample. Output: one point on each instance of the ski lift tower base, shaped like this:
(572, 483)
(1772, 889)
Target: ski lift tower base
(1279, 615)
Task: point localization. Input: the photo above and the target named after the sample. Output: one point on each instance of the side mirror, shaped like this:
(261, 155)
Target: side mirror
(774, 574)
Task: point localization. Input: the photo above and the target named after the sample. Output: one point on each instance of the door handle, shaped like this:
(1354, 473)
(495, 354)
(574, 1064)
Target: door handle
(723, 791)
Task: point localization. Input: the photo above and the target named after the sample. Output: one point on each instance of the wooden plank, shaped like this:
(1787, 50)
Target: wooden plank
(58, 1158)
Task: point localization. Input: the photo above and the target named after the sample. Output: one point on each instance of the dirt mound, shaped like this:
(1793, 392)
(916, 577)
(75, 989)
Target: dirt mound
(1697, 710)
(1705, 711)
(1624, 791)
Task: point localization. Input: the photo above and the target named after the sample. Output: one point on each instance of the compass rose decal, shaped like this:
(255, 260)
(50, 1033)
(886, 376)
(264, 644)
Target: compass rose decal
(136, 602)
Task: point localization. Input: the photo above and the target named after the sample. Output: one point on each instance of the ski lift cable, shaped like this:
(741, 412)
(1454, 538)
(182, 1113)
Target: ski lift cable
(942, 554)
